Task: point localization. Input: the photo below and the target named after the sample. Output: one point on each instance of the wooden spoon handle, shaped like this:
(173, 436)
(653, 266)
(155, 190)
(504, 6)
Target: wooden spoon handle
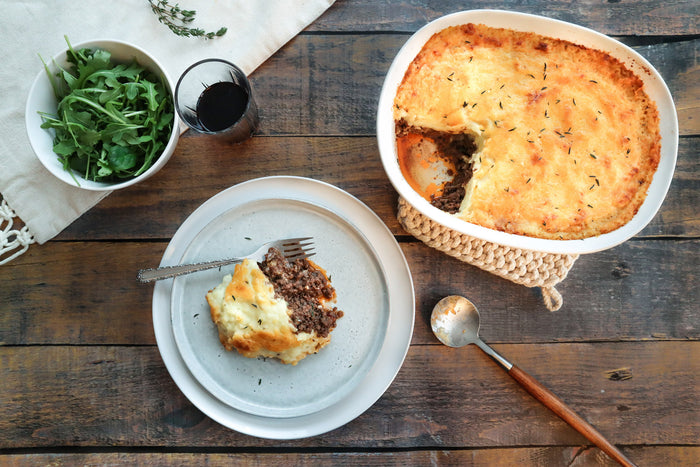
(557, 406)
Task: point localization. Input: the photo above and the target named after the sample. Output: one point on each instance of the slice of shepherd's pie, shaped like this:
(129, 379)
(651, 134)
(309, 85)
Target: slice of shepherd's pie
(276, 309)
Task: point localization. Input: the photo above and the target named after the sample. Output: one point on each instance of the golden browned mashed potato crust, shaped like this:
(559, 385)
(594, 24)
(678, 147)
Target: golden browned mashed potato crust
(567, 139)
(252, 318)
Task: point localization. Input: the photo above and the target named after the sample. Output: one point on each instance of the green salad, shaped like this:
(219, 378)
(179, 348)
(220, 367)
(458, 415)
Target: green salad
(113, 120)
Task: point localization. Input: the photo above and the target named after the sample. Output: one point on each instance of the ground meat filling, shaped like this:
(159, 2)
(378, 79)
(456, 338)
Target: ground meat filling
(456, 149)
(305, 289)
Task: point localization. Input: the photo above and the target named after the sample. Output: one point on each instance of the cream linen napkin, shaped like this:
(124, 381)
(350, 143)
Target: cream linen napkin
(256, 30)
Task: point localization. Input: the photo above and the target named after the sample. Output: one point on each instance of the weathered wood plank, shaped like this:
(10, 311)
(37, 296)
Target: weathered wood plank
(330, 85)
(641, 290)
(643, 18)
(636, 291)
(84, 293)
(678, 214)
(679, 66)
(92, 396)
(82, 381)
(571, 456)
(201, 168)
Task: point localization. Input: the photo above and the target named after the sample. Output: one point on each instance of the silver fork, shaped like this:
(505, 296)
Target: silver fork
(291, 248)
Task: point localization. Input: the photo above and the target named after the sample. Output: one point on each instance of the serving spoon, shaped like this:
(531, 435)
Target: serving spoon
(455, 322)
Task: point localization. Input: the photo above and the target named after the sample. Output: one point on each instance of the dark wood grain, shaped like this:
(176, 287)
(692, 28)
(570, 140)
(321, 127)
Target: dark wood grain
(563, 411)
(442, 397)
(641, 18)
(330, 84)
(82, 381)
(550, 456)
(639, 291)
(154, 210)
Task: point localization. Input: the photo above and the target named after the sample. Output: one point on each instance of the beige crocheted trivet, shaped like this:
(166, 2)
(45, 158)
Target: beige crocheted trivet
(525, 267)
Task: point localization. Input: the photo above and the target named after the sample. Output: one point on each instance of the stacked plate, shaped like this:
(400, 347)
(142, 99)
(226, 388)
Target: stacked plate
(263, 397)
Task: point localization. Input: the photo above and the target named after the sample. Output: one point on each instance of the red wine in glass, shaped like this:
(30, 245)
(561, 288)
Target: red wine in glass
(214, 97)
(221, 105)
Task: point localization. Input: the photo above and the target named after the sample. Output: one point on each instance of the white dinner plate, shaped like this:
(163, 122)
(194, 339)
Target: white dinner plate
(263, 397)
(654, 85)
(266, 386)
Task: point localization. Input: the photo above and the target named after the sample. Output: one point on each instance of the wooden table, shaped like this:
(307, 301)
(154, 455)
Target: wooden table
(82, 380)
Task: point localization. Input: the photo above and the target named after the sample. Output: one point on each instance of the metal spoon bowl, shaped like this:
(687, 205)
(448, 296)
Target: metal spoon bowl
(455, 322)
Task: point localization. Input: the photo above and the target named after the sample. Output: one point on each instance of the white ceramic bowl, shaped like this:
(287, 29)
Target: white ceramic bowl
(41, 98)
(654, 85)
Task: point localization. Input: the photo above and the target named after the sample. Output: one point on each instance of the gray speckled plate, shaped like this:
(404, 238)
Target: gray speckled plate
(263, 397)
(266, 386)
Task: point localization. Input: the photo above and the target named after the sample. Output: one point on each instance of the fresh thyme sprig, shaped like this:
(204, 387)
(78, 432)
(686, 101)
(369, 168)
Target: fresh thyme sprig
(178, 20)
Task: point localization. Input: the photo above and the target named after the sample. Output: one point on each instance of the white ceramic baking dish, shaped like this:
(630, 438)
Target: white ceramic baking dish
(654, 84)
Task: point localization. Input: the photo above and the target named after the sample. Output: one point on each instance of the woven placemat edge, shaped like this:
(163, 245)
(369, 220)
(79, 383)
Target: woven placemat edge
(521, 266)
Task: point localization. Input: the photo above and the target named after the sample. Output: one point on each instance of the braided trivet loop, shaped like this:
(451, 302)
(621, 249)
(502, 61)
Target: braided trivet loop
(524, 267)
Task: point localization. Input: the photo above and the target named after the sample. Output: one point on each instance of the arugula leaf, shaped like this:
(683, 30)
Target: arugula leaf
(112, 120)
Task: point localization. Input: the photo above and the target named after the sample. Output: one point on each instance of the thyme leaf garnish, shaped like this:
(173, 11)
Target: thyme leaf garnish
(178, 20)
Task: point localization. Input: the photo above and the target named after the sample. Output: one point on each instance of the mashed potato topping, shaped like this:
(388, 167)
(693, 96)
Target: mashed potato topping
(564, 139)
(256, 320)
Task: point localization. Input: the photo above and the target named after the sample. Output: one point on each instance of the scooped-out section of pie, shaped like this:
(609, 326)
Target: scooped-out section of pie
(526, 134)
